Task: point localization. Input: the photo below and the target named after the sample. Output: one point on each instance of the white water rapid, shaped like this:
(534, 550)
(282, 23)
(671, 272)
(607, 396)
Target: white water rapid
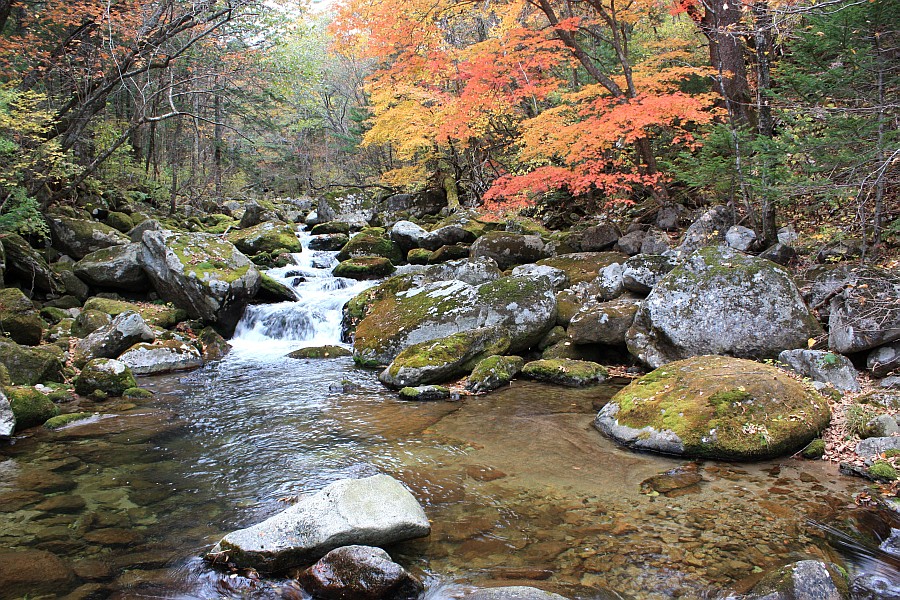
(313, 320)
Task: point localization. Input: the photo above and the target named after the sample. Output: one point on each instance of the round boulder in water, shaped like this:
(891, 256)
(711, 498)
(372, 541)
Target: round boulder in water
(109, 376)
(715, 407)
(326, 351)
(565, 371)
(364, 267)
(360, 573)
(515, 592)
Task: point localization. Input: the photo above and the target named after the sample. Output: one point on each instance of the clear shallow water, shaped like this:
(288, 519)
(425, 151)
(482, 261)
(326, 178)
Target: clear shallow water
(519, 487)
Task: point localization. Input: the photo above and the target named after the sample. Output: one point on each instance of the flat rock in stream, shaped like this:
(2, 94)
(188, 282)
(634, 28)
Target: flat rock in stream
(372, 511)
(515, 592)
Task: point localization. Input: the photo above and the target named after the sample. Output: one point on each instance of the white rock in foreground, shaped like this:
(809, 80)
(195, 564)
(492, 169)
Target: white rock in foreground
(373, 511)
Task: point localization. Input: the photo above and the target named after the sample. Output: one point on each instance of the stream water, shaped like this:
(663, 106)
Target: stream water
(520, 488)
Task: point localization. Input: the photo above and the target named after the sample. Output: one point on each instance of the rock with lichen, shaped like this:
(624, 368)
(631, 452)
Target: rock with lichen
(112, 377)
(566, 372)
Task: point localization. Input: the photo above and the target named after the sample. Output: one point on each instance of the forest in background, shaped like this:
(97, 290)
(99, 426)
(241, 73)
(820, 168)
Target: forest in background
(562, 109)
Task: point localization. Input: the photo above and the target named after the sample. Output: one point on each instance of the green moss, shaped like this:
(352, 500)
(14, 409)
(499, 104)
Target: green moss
(193, 251)
(320, 352)
(815, 449)
(893, 453)
(53, 315)
(30, 407)
(567, 372)
(418, 256)
(371, 242)
(161, 315)
(425, 354)
(883, 470)
(364, 267)
(331, 227)
(447, 253)
(272, 290)
(120, 221)
(63, 420)
(110, 377)
(749, 410)
(30, 366)
(266, 237)
(137, 393)
(583, 266)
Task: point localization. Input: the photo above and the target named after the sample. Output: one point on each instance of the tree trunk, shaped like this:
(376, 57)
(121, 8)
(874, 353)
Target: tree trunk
(218, 142)
(720, 24)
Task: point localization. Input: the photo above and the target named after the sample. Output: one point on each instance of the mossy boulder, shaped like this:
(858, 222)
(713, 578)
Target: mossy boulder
(494, 372)
(109, 341)
(356, 309)
(215, 347)
(158, 315)
(120, 221)
(266, 237)
(329, 241)
(524, 308)
(206, 276)
(272, 290)
(320, 352)
(566, 372)
(89, 321)
(721, 301)
(331, 227)
(80, 237)
(30, 406)
(716, 407)
(364, 267)
(27, 266)
(371, 242)
(425, 393)
(583, 267)
(801, 580)
(53, 315)
(510, 249)
(117, 268)
(603, 322)
(446, 253)
(161, 357)
(60, 421)
(418, 256)
(31, 365)
(110, 376)
(137, 393)
(442, 359)
(19, 320)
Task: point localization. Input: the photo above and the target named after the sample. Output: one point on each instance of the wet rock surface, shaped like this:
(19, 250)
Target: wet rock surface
(360, 573)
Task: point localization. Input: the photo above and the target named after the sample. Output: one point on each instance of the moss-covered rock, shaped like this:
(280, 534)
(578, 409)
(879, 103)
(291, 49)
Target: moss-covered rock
(448, 252)
(159, 315)
(266, 237)
(30, 366)
(801, 580)
(567, 372)
(582, 267)
(418, 256)
(494, 372)
(161, 357)
(329, 241)
(364, 267)
(114, 268)
(720, 301)
(30, 406)
(80, 237)
(206, 276)
(26, 265)
(18, 318)
(137, 393)
(53, 315)
(882, 470)
(510, 249)
(524, 308)
(331, 227)
(439, 360)
(110, 376)
(715, 407)
(815, 449)
(371, 242)
(320, 352)
(272, 290)
(215, 347)
(425, 393)
(60, 421)
(89, 321)
(356, 309)
(120, 221)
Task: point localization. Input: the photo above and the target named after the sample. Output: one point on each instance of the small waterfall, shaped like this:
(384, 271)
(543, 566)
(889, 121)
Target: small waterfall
(313, 320)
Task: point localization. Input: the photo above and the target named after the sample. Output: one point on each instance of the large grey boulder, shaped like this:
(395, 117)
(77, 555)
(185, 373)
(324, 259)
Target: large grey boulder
(610, 283)
(31, 365)
(206, 276)
(510, 249)
(7, 418)
(18, 318)
(161, 357)
(137, 232)
(515, 592)
(720, 301)
(407, 235)
(107, 375)
(876, 446)
(445, 236)
(866, 313)
(598, 237)
(116, 267)
(822, 366)
(603, 322)
(360, 573)
(27, 266)
(80, 237)
(740, 237)
(655, 242)
(875, 586)
(474, 271)
(557, 277)
(373, 511)
(640, 273)
(523, 308)
(803, 580)
(109, 341)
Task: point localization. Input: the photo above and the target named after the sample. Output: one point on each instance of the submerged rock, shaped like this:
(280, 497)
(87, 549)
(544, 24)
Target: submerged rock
(805, 579)
(715, 407)
(376, 510)
(360, 573)
(494, 372)
(426, 393)
(161, 357)
(32, 572)
(320, 352)
(516, 592)
(565, 371)
(720, 301)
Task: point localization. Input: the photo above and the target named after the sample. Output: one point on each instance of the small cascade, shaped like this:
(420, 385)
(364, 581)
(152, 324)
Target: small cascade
(313, 320)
